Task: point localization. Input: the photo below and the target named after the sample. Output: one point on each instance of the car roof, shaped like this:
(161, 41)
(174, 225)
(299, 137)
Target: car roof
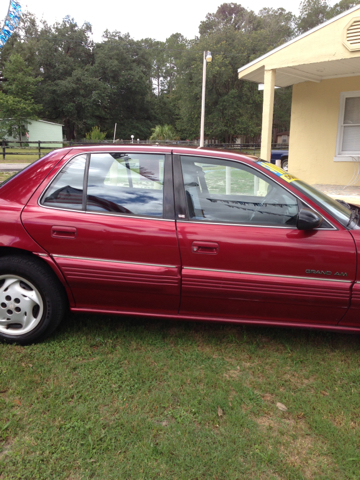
(177, 150)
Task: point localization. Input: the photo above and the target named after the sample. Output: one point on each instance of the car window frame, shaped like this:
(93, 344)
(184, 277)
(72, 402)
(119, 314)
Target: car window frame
(168, 193)
(181, 212)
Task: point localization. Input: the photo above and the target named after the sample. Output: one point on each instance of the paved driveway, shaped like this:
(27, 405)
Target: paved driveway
(12, 167)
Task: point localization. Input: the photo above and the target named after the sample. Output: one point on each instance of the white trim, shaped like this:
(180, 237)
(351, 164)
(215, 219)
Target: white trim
(105, 260)
(347, 158)
(267, 274)
(34, 121)
(339, 155)
(319, 27)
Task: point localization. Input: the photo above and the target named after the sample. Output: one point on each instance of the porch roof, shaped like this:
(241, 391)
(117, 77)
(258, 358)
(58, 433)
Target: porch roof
(321, 53)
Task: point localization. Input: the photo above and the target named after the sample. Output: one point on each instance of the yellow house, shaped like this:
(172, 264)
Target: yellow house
(323, 65)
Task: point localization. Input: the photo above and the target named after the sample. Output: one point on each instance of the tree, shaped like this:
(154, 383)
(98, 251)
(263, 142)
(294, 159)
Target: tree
(277, 26)
(282, 108)
(156, 55)
(17, 105)
(165, 58)
(123, 67)
(69, 90)
(142, 84)
(83, 84)
(229, 15)
(175, 47)
(312, 13)
(341, 7)
(235, 36)
(315, 12)
(3, 130)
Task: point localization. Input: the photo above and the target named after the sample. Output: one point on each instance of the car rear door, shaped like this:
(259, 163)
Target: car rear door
(107, 220)
(243, 257)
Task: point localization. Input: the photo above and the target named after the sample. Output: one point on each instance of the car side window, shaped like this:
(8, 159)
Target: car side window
(126, 184)
(223, 191)
(66, 191)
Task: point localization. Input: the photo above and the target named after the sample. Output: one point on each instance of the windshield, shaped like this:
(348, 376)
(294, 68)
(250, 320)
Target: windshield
(338, 210)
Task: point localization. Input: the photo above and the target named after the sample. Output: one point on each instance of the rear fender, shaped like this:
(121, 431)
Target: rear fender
(44, 257)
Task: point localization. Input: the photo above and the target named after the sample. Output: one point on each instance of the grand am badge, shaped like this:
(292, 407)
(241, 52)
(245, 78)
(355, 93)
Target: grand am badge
(326, 272)
(318, 272)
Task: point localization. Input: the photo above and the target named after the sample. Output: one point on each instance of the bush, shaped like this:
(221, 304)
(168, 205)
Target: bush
(163, 132)
(95, 134)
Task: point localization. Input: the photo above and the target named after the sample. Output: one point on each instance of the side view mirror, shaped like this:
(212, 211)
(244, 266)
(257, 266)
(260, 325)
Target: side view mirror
(307, 219)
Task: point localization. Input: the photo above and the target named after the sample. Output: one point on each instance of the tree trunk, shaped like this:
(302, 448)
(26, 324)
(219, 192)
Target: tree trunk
(70, 130)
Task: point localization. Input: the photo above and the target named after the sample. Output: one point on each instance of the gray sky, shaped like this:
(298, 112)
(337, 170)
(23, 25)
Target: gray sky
(158, 19)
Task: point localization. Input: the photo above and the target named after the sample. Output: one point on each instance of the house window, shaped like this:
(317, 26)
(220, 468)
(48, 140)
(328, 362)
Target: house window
(348, 136)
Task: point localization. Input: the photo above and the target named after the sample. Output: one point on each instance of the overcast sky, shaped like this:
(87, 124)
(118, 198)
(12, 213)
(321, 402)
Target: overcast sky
(141, 18)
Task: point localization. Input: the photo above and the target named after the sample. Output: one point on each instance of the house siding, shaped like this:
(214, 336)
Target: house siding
(45, 131)
(313, 132)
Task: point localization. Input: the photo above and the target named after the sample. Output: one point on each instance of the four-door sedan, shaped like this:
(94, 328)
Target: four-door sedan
(173, 233)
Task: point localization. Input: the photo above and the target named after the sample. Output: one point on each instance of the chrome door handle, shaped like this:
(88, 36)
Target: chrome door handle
(208, 248)
(63, 232)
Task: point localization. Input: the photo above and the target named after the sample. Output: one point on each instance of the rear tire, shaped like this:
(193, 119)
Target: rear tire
(32, 300)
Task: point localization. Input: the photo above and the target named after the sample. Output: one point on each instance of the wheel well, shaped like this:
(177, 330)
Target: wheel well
(5, 251)
(14, 251)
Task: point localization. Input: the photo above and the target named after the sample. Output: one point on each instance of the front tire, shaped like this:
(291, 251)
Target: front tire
(32, 300)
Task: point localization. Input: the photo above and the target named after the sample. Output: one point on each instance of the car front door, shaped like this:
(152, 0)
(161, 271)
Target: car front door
(243, 257)
(107, 220)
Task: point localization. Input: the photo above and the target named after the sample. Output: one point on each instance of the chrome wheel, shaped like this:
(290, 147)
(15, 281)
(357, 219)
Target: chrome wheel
(21, 305)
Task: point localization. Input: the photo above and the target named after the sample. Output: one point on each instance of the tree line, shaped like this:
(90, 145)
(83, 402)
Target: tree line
(58, 73)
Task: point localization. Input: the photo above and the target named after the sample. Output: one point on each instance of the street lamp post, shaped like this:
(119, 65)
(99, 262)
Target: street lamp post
(207, 59)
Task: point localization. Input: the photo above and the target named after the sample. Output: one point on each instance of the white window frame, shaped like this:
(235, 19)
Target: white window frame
(339, 155)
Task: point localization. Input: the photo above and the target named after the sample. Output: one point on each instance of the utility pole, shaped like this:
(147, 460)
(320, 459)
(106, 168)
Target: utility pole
(207, 59)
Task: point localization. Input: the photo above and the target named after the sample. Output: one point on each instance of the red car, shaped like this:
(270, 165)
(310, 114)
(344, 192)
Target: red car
(173, 233)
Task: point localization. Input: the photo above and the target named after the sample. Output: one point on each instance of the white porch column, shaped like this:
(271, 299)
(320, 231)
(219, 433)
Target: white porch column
(268, 113)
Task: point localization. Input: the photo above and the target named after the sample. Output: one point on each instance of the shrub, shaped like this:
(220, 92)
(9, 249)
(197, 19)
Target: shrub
(95, 134)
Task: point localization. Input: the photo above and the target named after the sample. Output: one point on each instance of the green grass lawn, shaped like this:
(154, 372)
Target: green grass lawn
(121, 398)
(22, 155)
(5, 175)
(251, 151)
